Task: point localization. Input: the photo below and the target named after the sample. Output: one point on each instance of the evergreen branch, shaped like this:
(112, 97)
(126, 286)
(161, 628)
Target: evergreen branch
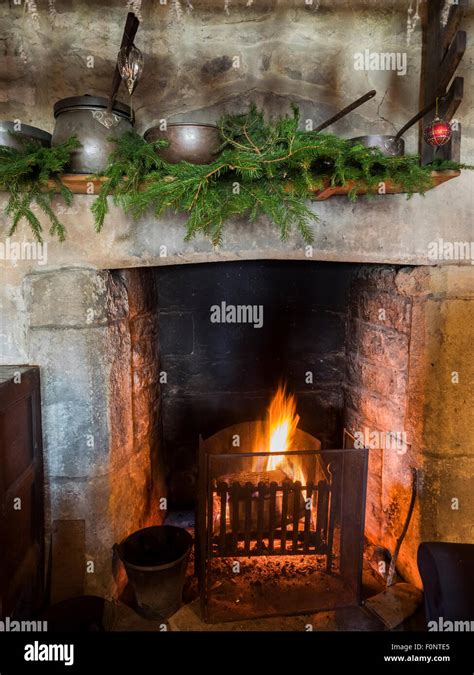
(25, 174)
(266, 168)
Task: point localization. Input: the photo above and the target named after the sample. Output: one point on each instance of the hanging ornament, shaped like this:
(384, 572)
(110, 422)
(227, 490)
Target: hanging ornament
(438, 132)
(130, 63)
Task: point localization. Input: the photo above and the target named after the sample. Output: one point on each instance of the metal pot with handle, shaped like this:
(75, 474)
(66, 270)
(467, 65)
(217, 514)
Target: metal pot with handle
(392, 146)
(94, 120)
(83, 117)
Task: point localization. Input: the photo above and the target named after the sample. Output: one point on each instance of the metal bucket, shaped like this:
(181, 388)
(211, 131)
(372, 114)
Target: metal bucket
(86, 118)
(11, 135)
(155, 560)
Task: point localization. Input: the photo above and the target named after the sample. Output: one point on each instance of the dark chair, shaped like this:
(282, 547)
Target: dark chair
(447, 572)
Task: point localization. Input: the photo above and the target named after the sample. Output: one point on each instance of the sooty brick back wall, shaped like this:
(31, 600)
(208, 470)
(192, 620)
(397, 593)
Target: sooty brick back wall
(219, 374)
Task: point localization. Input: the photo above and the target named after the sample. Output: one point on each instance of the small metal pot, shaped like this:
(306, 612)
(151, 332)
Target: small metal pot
(11, 135)
(390, 146)
(193, 143)
(394, 146)
(86, 118)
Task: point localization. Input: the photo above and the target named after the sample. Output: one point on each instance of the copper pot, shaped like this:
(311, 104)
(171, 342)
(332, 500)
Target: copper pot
(193, 143)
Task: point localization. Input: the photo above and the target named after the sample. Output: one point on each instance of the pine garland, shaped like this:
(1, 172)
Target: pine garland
(265, 168)
(25, 174)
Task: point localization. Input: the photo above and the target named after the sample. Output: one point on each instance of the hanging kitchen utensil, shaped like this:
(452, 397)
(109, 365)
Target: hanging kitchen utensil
(345, 111)
(107, 117)
(130, 64)
(392, 146)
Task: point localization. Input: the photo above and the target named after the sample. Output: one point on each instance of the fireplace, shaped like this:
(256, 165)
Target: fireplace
(135, 368)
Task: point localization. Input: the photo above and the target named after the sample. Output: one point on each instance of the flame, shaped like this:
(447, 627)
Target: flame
(278, 434)
(282, 421)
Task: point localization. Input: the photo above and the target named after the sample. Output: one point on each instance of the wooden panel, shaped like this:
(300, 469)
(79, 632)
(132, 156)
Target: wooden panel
(19, 536)
(16, 423)
(443, 49)
(451, 150)
(21, 492)
(451, 61)
(430, 65)
(448, 107)
(456, 15)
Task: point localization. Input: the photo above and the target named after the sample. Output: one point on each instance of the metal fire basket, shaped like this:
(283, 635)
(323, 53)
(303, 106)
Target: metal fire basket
(248, 518)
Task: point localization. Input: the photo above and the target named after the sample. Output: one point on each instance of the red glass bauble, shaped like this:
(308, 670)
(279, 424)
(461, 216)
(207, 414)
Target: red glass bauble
(438, 132)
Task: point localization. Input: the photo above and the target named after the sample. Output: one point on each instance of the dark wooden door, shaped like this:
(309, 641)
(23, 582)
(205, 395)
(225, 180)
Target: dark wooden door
(21, 492)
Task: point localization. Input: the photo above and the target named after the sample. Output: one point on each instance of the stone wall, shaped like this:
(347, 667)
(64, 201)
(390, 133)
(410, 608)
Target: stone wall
(377, 372)
(99, 432)
(146, 392)
(208, 60)
(440, 403)
(409, 370)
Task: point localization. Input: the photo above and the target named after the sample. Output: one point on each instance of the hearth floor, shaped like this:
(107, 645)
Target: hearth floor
(188, 617)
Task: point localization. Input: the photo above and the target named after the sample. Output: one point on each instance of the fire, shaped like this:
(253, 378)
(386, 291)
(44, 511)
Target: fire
(282, 421)
(278, 435)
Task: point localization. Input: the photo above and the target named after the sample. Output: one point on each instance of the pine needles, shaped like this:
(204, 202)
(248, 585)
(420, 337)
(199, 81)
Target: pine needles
(25, 174)
(266, 168)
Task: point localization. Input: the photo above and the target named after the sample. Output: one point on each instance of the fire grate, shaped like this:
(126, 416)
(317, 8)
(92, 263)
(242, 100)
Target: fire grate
(249, 516)
(268, 518)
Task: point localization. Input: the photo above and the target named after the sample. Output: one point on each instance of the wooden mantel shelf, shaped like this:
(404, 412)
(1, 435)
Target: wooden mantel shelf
(85, 184)
(438, 177)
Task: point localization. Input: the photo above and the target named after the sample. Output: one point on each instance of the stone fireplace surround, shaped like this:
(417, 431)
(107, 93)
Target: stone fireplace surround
(88, 319)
